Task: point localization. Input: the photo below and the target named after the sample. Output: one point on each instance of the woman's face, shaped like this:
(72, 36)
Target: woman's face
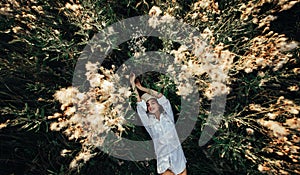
(152, 106)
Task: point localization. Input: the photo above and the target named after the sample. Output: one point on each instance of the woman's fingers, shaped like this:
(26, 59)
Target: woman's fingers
(138, 83)
(132, 78)
(132, 75)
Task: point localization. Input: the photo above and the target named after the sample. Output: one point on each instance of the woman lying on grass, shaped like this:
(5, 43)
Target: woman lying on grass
(156, 114)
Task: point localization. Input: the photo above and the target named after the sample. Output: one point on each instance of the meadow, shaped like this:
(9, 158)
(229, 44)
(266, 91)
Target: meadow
(55, 112)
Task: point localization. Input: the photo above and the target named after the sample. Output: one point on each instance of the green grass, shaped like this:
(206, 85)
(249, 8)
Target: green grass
(39, 58)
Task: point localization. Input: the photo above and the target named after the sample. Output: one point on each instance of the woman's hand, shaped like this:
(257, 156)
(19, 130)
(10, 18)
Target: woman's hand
(135, 82)
(132, 82)
(132, 79)
(138, 84)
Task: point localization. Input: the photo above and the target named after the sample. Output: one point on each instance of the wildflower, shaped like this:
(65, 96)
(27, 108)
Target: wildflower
(167, 19)
(56, 32)
(200, 49)
(184, 89)
(195, 15)
(260, 61)
(289, 46)
(153, 22)
(70, 111)
(255, 20)
(204, 18)
(249, 131)
(293, 123)
(95, 80)
(195, 68)
(55, 126)
(73, 7)
(155, 11)
(295, 138)
(66, 95)
(120, 128)
(279, 130)
(293, 88)
(293, 110)
(16, 29)
(248, 70)
(276, 127)
(3, 125)
(216, 89)
(261, 74)
(288, 6)
(92, 67)
(81, 96)
(85, 156)
(107, 86)
(255, 107)
(124, 92)
(279, 153)
(268, 150)
(272, 116)
(98, 108)
(75, 134)
(263, 168)
(38, 9)
(73, 164)
(206, 33)
(65, 152)
(296, 71)
(56, 115)
(30, 16)
(242, 7)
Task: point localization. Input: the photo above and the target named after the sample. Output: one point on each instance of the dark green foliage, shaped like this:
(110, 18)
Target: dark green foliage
(39, 58)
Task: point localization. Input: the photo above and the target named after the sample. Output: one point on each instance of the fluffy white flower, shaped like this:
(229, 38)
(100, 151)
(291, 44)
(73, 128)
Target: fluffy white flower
(155, 11)
(95, 80)
(184, 89)
(167, 19)
(92, 67)
(153, 22)
(107, 86)
(66, 95)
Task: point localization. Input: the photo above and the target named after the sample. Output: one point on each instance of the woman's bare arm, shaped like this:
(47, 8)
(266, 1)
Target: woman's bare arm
(133, 85)
(147, 90)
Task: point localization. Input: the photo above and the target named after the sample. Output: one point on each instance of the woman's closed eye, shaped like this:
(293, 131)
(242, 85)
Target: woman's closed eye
(152, 103)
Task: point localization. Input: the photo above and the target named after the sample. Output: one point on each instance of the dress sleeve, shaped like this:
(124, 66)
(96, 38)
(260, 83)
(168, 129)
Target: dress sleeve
(165, 103)
(141, 110)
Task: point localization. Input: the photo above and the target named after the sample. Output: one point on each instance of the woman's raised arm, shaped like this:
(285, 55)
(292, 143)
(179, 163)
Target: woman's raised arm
(147, 90)
(133, 85)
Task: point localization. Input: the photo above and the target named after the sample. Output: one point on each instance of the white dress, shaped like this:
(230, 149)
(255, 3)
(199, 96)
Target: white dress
(168, 150)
